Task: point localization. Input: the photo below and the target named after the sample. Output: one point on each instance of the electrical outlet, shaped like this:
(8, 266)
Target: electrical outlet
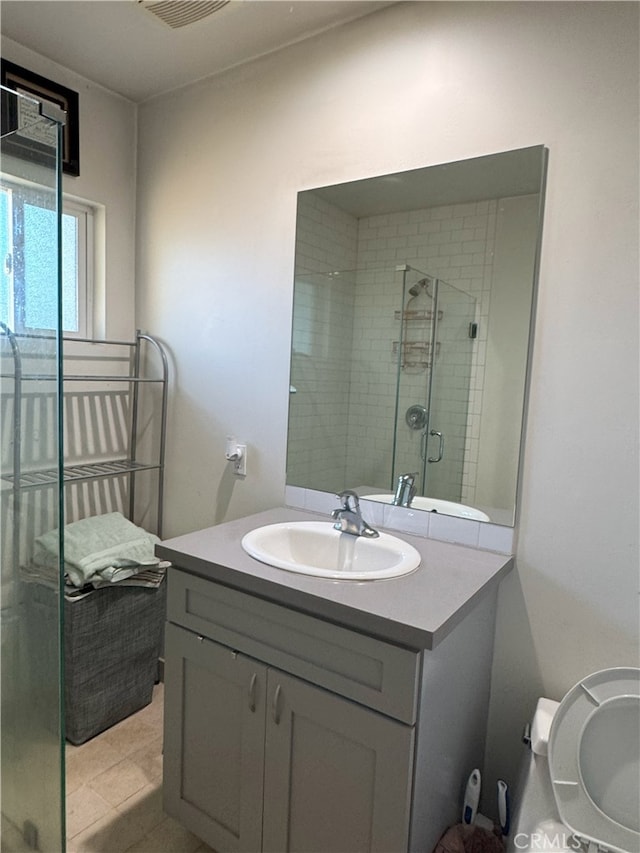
(240, 465)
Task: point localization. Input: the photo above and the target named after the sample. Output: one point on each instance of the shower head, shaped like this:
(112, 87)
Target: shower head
(423, 284)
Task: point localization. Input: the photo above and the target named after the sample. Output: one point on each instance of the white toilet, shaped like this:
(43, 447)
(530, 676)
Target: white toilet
(579, 787)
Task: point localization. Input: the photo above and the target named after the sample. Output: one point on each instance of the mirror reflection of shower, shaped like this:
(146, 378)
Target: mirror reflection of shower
(374, 337)
(436, 356)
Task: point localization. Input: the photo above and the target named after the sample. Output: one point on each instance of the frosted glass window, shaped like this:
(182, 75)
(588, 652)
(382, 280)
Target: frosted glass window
(28, 299)
(39, 291)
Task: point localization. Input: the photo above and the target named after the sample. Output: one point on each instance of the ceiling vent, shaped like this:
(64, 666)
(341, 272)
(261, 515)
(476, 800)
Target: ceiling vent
(179, 13)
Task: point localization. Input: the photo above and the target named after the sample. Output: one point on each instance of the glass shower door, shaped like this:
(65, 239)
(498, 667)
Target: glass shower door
(446, 444)
(434, 387)
(31, 714)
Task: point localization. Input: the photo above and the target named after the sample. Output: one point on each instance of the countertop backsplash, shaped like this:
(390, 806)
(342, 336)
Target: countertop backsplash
(463, 531)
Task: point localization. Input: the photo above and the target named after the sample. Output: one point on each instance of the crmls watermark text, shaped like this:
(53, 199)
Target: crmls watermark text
(546, 842)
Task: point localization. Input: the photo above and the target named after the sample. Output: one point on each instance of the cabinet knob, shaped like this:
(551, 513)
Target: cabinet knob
(276, 705)
(252, 692)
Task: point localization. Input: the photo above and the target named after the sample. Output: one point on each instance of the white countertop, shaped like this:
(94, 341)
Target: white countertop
(417, 610)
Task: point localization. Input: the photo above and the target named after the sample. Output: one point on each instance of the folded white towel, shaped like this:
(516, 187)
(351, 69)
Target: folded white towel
(107, 546)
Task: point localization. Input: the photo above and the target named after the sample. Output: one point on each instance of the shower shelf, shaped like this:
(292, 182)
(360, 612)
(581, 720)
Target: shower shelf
(416, 353)
(416, 316)
(416, 330)
(36, 478)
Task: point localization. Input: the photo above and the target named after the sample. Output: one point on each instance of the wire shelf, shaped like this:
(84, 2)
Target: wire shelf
(74, 473)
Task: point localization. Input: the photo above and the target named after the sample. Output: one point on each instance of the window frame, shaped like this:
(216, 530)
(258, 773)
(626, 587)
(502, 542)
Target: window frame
(84, 215)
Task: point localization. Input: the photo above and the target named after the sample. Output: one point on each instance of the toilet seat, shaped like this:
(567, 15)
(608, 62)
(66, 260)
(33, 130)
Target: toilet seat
(594, 759)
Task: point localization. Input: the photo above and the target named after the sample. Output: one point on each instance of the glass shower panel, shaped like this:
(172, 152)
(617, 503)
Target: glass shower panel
(31, 718)
(321, 352)
(346, 343)
(374, 377)
(448, 451)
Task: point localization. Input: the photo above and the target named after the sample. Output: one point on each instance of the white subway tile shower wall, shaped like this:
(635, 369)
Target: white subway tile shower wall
(373, 376)
(326, 237)
(326, 240)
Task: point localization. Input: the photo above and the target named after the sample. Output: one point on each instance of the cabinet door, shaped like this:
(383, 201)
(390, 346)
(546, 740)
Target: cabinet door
(214, 741)
(337, 775)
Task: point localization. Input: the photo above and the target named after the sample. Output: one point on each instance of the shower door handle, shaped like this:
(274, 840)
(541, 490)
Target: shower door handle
(440, 446)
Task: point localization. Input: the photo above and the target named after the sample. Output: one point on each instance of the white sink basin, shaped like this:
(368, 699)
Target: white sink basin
(432, 504)
(317, 548)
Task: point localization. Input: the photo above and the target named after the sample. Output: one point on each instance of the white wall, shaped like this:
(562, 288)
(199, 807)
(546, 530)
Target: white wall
(219, 167)
(107, 179)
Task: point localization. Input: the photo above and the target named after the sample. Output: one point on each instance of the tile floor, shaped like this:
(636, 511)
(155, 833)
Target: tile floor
(114, 791)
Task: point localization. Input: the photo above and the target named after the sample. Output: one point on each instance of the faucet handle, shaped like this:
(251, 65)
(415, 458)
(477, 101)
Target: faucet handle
(349, 518)
(346, 497)
(405, 489)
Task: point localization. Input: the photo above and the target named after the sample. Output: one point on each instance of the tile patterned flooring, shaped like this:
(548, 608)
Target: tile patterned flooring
(114, 791)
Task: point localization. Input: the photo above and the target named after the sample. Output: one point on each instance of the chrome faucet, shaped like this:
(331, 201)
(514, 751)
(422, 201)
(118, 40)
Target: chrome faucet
(405, 490)
(349, 518)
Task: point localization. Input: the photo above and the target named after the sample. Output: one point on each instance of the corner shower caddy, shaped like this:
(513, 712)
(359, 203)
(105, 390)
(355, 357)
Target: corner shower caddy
(130, 465)
(416, 345)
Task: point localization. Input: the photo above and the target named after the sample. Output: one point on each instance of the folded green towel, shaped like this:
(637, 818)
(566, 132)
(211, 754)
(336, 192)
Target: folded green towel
(100, 545)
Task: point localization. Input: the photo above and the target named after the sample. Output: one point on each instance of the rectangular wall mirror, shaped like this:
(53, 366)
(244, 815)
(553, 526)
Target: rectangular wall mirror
(413, 311)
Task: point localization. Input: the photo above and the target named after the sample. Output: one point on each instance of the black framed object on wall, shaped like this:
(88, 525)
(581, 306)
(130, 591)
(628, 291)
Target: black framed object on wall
(24, 142)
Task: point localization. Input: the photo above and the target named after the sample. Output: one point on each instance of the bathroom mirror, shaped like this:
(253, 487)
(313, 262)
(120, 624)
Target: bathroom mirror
(413, 305)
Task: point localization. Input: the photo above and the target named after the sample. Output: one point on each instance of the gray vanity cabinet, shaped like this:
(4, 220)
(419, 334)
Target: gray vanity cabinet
(214, 741)
(289, 733)
(337, 775)
(256, 758)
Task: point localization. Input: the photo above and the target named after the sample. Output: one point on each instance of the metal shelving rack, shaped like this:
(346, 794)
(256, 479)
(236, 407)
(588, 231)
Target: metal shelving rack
(130, 465)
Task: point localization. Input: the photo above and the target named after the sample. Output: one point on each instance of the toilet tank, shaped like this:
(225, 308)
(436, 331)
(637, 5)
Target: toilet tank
(535, 823)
